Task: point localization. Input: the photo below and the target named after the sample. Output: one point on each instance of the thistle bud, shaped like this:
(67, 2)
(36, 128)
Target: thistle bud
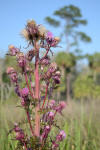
(30, 55)
(53, 67)
(24, 92)
(45, 61)
(10, 70)
(60, 107)
(21, 60)
(52, 103)
(60, 136)
(13, 50)
(13, 74)
(20, 135)
(45, 132)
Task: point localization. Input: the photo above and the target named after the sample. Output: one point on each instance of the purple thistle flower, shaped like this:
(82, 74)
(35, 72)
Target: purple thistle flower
(51, 40)
(49, 35)
(50, 115)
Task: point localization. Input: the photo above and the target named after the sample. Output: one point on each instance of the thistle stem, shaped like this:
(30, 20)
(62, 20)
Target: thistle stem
(25, 146)
(50, 127)
(29, 121)
(45, 54)
(26, 78)
(37, 90)
(45, 97)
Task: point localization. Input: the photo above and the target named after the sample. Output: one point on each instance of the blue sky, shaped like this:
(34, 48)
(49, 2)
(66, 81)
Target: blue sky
(15, 13)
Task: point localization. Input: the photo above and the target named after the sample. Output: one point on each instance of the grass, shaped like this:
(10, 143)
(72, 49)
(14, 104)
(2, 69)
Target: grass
(81, 122)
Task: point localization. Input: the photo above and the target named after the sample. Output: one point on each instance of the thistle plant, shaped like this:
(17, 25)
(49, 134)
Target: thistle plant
(40, 77)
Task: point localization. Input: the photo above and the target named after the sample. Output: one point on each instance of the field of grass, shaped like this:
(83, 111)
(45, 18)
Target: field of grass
(81, 122)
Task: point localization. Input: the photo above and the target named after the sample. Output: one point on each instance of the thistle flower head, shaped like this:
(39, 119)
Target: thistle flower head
(25, 34)
(50, 116)
(49, 36)
(31, 31)
(51, 40)
(42, 30)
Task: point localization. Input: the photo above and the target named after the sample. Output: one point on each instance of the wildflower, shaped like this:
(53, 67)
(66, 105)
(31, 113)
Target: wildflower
(32, 29)
(50, 115)
(52, 41)
(13, 50)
